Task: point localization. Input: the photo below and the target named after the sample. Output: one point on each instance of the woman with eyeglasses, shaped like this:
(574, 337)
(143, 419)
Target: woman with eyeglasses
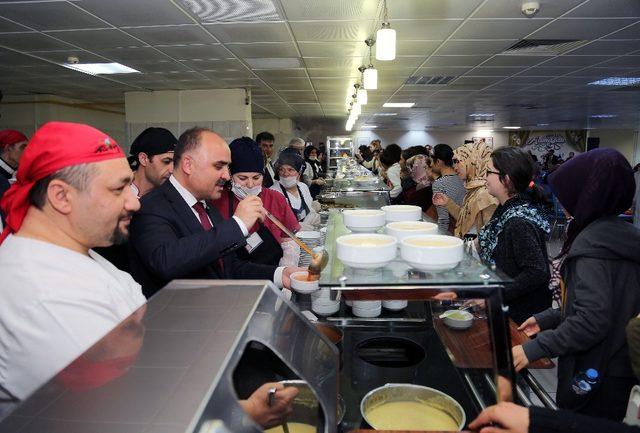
(470, 163)
(515, 237)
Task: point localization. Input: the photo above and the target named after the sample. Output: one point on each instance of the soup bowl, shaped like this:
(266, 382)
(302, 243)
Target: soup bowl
(402, 212)
(432, 252)
(363, 220)
(403, 229)
(366, 251)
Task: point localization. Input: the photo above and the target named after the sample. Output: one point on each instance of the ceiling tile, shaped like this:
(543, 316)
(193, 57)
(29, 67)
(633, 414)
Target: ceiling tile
(569, 60)
(330, 9)
(334, 62)
(189, 52)
(435, 61)
(50, 15)
(171, 35)
(328, 49)
(608, 8)
(97, 39)
(548, 71)
(494, 71)
(8, 26)
(136, 13)
(512, 9)
(415, 48)
(62, 56)
(250, 32)
(298, 96)
(608, 47)
(32, 42)
(162, 66)
(498, 29)
(588, 29)
(262, 50)
(409, 9)
(442, 71)
(624, 62)
(333, 73)
(280, 73)
(289, 83)
(475, 47)
(515, 60)
(417, 30)
(630, 32)
(313, 31)
(228, 73)
(140, 55)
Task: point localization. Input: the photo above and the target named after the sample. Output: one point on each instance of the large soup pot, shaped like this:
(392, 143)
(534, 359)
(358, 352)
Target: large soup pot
(405, 392)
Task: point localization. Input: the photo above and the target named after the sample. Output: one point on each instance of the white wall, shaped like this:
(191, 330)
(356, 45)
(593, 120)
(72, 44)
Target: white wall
(28, 113)
(223, 110)
(623, 140)
(415, 138)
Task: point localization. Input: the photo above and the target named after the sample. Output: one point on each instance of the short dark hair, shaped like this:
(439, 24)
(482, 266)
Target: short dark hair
(394, 151)
(413, 151)
(264, 136)
(78, 176)
(188, 141)
(444, 153)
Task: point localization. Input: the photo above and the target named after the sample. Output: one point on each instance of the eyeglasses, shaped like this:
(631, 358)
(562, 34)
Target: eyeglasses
(494, 172)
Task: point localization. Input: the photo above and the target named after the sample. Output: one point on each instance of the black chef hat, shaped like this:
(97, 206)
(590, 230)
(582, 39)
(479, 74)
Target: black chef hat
(152, 141)
(246, 156)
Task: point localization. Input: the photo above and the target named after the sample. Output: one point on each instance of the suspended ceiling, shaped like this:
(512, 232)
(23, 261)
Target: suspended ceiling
(300, 57)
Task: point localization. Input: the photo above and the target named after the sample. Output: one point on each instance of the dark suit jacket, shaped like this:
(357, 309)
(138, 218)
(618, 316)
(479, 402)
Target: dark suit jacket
(167, 242)
(4, 186)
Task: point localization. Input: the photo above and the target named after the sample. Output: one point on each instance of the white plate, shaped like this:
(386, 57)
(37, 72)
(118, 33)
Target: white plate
(308, 234)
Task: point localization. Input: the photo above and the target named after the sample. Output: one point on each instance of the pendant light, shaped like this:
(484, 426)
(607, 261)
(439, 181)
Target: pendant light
(361, 94)
(370, 73)
(386, 39)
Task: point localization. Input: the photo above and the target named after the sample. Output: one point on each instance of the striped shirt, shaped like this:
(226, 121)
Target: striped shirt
(452, 186)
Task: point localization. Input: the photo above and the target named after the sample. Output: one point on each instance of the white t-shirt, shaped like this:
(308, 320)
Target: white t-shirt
(296, 202)
(55, 304)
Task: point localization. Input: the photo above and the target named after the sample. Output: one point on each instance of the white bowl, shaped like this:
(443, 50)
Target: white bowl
(325, 309)
(363, 220)
(432, 252)
(403, 229)
(367, 305)
(395, 305)
(308, 234)
(324, 293)
(375, 312)
(300, 284)
(458, 319)
(402, 212)
(366, 251)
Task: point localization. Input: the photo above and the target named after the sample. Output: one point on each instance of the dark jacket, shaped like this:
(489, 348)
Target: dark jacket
(521, 253)
(602, 278)
(543, 420)
(167, 242)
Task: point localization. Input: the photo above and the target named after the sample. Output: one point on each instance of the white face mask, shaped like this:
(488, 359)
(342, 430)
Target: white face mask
(313, 158)
(289, 182)
(235, 188)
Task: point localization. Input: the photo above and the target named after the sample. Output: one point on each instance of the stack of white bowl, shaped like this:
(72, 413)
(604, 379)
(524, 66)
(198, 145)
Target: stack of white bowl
(366, 308)
(395, 305)
(322, 304)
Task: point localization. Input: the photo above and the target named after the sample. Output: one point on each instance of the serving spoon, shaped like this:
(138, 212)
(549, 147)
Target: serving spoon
(319, 259)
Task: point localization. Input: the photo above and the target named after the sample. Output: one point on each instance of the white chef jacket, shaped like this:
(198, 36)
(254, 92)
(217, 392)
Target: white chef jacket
(55, 304)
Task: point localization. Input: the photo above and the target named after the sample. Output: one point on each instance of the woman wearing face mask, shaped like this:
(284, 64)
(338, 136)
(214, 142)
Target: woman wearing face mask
(289, 168)
(266, 243)
(515, 237)
(313, 173)
(470, 163)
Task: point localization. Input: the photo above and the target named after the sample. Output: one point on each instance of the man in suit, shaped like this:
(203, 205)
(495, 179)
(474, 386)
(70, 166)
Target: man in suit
(177, 235)
(265, 141)
(12, 144)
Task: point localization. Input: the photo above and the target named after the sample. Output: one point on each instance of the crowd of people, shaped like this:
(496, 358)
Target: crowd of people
(89, 233)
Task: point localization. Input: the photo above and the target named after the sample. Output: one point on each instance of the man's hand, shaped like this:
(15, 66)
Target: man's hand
(286, 275)
(520, 360)
(510, 418)
(250, 210)
(257, 405)
(530, 327)
(440, 199)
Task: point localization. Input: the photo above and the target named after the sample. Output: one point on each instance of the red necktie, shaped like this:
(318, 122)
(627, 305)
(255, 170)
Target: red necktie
(205, 222)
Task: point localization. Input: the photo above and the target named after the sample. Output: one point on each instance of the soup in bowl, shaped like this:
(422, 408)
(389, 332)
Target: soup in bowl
(403, 229)
(432, 252)
(363, 220)
(366, 251)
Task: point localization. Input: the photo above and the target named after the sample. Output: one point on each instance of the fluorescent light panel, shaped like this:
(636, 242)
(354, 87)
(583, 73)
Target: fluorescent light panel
(398, 104)
(481, 115)
(101, 68)
(616, 81)
(510, 127)
(369, 126)
(386, 114)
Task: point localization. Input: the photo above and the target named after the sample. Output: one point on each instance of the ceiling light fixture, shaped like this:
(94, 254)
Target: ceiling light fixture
(369, 126)
(484, 132)
(398, 104)
(510, 127)
(481, 115)
(370, 73)
(101, 68)
(385, 114)
(361, 94)
(616, 81)
(386, 39)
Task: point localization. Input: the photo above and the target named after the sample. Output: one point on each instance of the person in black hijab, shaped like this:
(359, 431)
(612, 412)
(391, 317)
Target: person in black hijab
(600, 280)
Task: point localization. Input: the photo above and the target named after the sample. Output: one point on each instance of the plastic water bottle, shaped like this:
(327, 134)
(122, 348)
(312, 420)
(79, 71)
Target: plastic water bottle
(584, 381)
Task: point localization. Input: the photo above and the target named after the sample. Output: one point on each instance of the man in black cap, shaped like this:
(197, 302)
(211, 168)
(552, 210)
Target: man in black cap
(151, 159)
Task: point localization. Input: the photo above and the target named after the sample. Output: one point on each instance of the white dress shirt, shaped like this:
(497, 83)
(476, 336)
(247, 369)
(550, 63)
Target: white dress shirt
(56, 303)
(191, 200)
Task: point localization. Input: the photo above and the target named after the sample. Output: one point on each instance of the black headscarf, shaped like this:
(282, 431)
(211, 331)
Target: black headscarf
(592, 185)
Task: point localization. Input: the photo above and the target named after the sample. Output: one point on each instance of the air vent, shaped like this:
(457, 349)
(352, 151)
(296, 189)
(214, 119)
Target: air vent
(230, 11)
(429, 81)
(544, 47)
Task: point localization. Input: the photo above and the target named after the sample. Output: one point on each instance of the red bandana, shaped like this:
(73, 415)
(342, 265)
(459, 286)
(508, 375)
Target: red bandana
(54, 146)
(11, 136)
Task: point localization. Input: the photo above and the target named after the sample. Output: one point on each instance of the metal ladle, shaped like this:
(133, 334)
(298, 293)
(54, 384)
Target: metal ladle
(319, 260)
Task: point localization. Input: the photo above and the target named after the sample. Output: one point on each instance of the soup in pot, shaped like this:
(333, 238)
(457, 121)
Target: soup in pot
(410, 415)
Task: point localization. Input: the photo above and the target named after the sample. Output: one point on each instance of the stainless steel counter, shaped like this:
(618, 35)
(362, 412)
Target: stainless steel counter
(169, 366)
